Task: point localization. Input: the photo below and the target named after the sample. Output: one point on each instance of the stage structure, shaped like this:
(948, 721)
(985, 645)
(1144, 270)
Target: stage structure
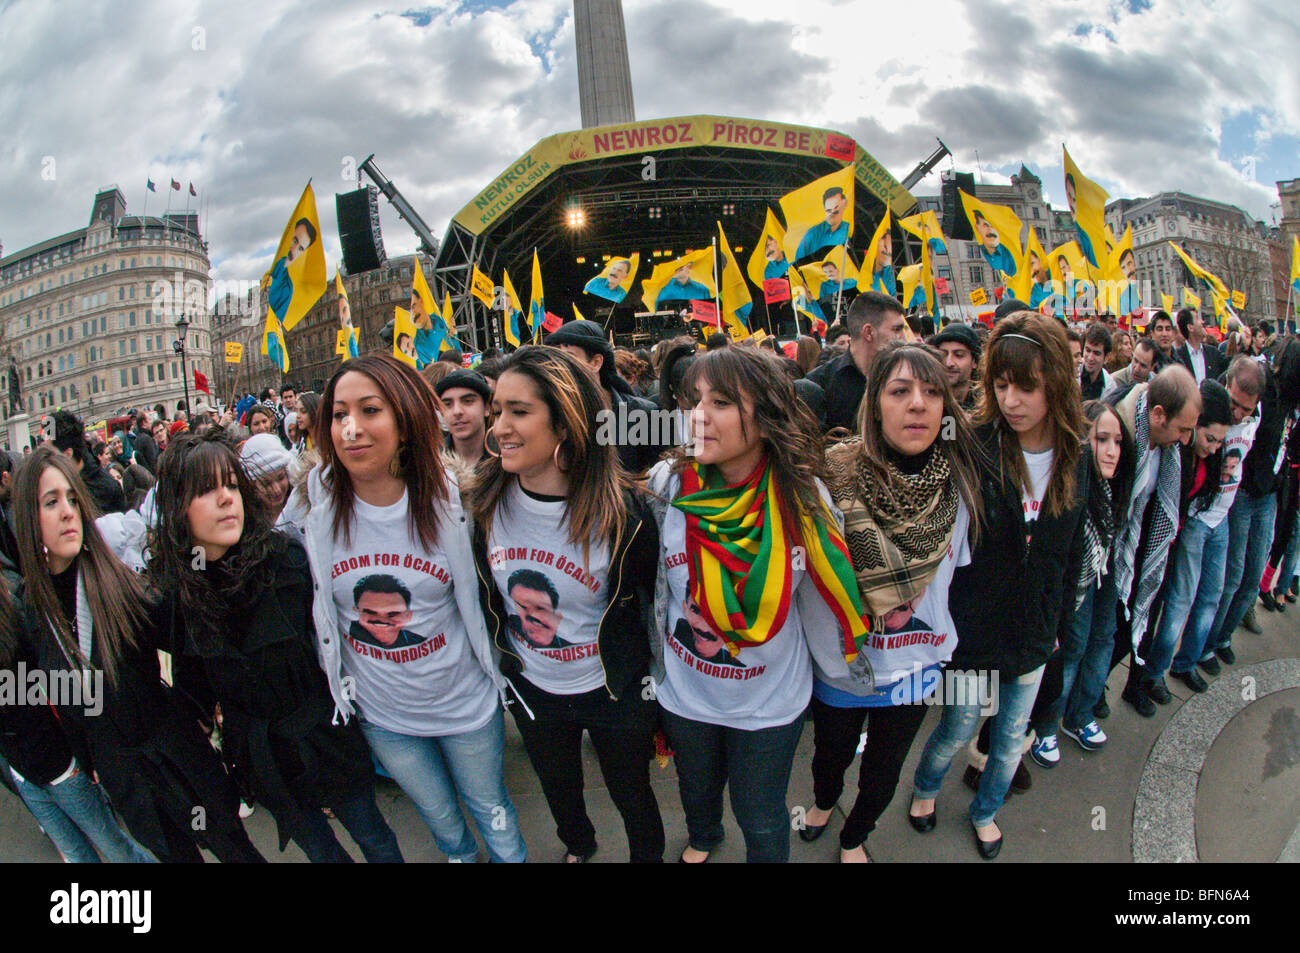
(656, 187)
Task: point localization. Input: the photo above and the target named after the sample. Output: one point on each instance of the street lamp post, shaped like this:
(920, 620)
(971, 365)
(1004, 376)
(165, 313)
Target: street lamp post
(182, 327)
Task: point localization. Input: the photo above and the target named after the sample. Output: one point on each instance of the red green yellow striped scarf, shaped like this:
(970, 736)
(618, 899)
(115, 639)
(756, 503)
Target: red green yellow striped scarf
(741, 558)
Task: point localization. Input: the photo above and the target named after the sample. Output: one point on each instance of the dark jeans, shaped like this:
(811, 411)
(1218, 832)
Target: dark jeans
(622, 732)
(756, 767)
(836, 732)
(359, 815)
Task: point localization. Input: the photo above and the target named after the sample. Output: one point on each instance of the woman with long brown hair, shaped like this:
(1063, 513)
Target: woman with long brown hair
(754, 582)
(907, 488)
(396, 612)
(244, 647)
(92, 617)
(567, 555)
(1011, 604)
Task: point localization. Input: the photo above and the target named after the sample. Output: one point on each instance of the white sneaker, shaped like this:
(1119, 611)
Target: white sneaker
(246, 810)
(1045, 752)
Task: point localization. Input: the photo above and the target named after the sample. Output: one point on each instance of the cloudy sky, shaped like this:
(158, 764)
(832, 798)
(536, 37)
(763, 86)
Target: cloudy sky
(249, 98)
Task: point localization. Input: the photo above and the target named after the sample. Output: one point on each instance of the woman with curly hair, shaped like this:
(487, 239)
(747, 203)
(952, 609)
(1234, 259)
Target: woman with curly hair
(239, 598)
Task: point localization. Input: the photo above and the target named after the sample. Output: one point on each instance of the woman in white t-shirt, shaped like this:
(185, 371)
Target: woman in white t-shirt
(906, 495)
(400, 632)
(567, 556)
(1012, 604)
(754, 583)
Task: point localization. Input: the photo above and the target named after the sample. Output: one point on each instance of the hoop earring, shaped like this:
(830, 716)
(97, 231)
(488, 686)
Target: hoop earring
(395, 466)
(555, 458)
(487, 446)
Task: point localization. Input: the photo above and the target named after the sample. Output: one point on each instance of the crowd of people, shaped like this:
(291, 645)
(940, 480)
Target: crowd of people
(263, 606)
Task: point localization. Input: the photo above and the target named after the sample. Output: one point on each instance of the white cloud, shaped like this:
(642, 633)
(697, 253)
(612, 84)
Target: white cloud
(447, 97)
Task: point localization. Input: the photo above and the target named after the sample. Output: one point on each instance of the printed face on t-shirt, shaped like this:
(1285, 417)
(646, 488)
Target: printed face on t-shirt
(538, 619)
(383, 615)
(707, 642)
(897, 617)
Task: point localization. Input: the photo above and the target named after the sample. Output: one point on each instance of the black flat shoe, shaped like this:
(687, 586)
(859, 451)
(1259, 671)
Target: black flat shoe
(924, 824)
(1227, 654)
(1191, 680)
(987, 849)
(1267, 600)
(971, 777)
(1101, 710)
(1210, 666)
(810, 832)
(1141, 702)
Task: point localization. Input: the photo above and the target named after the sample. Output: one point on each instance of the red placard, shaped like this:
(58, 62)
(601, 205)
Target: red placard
(941, 285)
(705, 311)
(552, 322)
(839, 147)
(776, 289)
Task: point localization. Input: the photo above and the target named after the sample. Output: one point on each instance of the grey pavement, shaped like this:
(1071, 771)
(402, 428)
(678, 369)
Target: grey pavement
(1214, 780)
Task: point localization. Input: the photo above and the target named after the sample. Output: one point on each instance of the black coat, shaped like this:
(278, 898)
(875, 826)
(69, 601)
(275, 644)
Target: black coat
(30, 737)
(1215, 362)
(154, 762)
(104, 490)
(276, 706)
(624, 635)
(639, 453)
(844, 386)
(1013, 603)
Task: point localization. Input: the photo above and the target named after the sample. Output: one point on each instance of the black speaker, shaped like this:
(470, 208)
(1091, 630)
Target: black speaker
(359, 235)
(955, 223)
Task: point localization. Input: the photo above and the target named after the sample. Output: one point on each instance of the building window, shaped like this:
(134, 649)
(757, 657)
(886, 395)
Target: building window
(977, 276)
(135, 376)
(132, 345)
(149, 368)
(122, 374)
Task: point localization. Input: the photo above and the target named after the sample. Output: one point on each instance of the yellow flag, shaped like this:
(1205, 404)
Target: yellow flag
(404, 337)
(734, 292)
(925, 226)
(1167, 302)
(1191, 300)
(448, 321)
(688, 278)
(578, 314)
(1205, 279)
(1032, 282)
(1295, 265)
(536, 302)
(615, 279)
(909, 276)
(422, 308)
(819, 214)
(481, 286)
(347, 340)
(1087, 201)
(513, 319)
(878, 259)
(273, 343)
(997, 229)
(768, 257)
(835, 268)
(298, 276)
(1066, 262)
(1122, 265)
(1239, 299)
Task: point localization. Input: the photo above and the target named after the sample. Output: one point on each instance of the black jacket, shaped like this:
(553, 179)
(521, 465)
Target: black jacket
(154, 762)
(104, 490)
(624, 636)
(1215, 362)
(640, 453)
(276, 706)
(1013, 603)
(30, 738)
(1277, 402)
(844, 386)
(146, 451)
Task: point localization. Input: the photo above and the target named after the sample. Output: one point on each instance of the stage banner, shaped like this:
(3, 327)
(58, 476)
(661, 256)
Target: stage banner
(662, 135)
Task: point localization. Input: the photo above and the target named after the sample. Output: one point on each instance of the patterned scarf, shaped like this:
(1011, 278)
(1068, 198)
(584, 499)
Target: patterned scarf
(741, 559)
(897, 539)
(1098, 532)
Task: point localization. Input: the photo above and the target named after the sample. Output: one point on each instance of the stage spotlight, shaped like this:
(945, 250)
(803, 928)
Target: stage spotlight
(576, 218)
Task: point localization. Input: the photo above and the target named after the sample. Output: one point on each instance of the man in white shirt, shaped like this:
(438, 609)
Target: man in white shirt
(1201, 358)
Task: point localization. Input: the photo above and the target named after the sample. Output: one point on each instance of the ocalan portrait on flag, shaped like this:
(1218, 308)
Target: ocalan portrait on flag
(615, 279)
(298, 276)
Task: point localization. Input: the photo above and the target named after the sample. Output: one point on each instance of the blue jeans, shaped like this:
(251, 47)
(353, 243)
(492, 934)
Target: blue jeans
(434, 772)
(360, 817)
(76, 814)
(1205, 605)
(1096, 617)
(753, 765)
(1015, 700)
(1182, 581)
(1250, 535)
(1282, 581)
